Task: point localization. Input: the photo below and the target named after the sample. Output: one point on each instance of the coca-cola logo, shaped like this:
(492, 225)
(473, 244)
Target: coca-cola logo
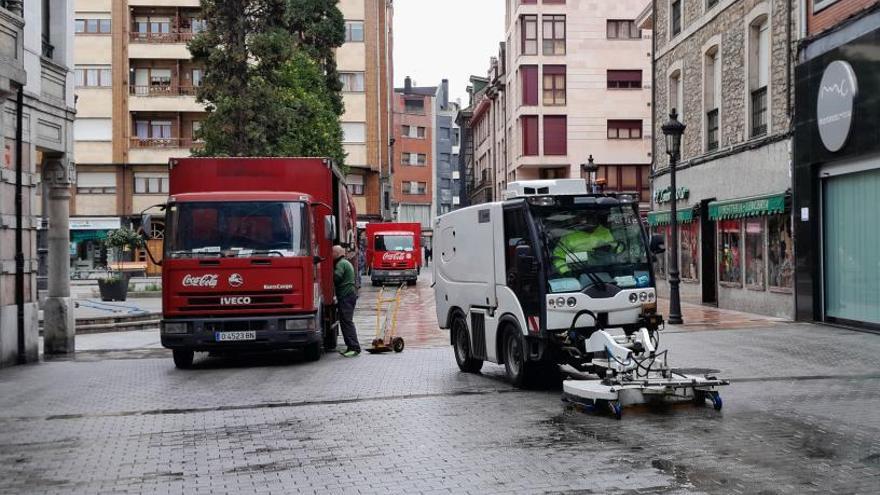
(206, 280)
(394, 256)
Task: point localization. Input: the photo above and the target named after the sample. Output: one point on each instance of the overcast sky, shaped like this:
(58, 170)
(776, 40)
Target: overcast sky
(450, 39)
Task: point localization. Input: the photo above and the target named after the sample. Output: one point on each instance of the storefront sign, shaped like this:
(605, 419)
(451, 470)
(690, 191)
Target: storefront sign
(665, 195)
(750, 207)
(656, 218)
(834, 105)
(94, 223)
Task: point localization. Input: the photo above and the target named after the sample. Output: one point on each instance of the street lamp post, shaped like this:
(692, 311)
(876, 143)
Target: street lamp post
(672, 130)
(590, 169)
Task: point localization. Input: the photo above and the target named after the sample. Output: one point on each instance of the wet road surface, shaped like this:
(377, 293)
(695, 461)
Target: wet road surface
(802, 416)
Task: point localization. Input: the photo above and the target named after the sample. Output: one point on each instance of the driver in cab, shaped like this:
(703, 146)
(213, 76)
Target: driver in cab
(581, 245)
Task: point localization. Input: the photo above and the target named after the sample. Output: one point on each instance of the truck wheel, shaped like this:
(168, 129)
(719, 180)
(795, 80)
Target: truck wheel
(313, 352)
(519, 370)
(462, 347)
(411, 282)
(183, 358)
(375, 283)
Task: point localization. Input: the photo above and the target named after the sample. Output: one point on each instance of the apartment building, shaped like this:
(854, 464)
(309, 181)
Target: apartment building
(725, 67)
(571, 80)
(414, 153)
(366, 67)
(836, 170)
(36, 127)
(447, 183)
(136, 109)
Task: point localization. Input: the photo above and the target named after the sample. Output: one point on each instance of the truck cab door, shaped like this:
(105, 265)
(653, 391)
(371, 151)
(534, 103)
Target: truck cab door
(521, 259)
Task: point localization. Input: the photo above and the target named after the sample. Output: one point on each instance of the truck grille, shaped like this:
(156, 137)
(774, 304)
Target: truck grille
(235, 326)
(399, 264)
(225, 301)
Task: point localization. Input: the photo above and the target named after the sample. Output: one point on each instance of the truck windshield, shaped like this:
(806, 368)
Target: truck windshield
(593, 244)
(237, 229)
(393, 243)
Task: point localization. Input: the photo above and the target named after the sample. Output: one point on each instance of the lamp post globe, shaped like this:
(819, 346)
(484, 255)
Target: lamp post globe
(590, 170)
(672, 131)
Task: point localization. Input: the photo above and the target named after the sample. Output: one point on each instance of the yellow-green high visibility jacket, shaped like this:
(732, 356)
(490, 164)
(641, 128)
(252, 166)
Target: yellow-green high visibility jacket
(576, 247)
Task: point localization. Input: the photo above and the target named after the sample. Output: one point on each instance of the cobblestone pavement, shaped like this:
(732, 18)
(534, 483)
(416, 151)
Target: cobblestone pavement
(802, 416)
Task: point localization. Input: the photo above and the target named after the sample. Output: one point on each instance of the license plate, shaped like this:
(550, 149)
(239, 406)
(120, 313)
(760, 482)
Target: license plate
(235, 336)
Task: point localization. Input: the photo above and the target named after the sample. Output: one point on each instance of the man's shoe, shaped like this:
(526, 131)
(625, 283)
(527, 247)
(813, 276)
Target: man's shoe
(342, 353)
(351, 353)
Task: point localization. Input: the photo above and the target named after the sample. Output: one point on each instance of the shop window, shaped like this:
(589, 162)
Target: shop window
(755, 253)
(660, 259)
(689, 233)
(729, 252)
(780, 253)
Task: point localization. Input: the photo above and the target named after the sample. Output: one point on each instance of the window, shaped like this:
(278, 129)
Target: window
(711, 3)
(152, 25)
(759, 75)
(86, 129)
(675, 94)
(355, 184)
(96, 183)
(633, 179)
(529, 25)
(729, 255)
(444, 133)
(554, 85)
(354, 132)
(444, 157)
(555, 135)
(529, 84)
(780, 253)
(46, 12)
(352, 82)
(554, 34)
(529, 135)
(624, 79)
(755, 253)
(675, 17)
(414, 159)
(689, 233)
(414, 105)
(412, 131)
(622, 30)
(160, 78)
(92, 26)
(197, 76)
(354, 31)
(416, 188)
(93, 77)
(147, 183)
(196, 128)
(711, 89)
(624, 129)
(456, 136)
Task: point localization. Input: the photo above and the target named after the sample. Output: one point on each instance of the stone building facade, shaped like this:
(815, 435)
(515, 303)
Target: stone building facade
(36, 134)
(725, 67)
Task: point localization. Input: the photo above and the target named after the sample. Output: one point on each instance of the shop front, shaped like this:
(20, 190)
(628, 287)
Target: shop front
(837, 176)
(87, 252)
(734, 254)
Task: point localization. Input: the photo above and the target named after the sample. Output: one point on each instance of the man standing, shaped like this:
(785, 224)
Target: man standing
(346, 299)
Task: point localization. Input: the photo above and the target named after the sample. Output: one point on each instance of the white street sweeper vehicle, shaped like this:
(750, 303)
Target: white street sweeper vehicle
(535, 281)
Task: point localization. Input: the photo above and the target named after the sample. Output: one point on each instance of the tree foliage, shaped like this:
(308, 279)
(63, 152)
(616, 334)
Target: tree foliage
(270, 86)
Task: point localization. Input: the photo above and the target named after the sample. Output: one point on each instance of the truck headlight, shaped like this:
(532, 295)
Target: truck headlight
(300, 324)
(175, 327)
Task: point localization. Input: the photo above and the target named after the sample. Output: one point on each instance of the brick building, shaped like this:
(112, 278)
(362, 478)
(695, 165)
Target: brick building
(836, 170)
(414, 148)
(725, 66)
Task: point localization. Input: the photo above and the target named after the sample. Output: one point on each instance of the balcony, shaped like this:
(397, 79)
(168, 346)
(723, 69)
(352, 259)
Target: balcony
(187, 143)
(160, 150)
(164, 98)
(163, 90)
(171, 37)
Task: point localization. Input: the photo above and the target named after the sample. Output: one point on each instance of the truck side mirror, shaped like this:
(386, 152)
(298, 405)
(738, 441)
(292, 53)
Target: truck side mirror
(658, 244)
(526, 264)
(146, 225)
(330, 227)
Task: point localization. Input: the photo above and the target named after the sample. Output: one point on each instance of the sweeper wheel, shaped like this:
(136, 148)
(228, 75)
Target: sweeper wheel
(397, 344)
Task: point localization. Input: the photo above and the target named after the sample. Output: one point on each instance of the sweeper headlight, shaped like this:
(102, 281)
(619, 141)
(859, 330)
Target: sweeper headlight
(633, 297)
(560, 302)
(643, 296)
(571, 302)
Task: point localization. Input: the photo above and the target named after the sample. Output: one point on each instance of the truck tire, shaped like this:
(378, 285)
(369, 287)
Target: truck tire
(183, 358)
(411, 282)
(313, 352)
(520, 371)
(461, 344)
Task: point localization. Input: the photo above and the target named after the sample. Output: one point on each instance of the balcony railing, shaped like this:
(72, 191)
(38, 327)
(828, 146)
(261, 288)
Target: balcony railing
(712, 130)
(759, 112)
(163, 90)
(137, 142)
(174, 37)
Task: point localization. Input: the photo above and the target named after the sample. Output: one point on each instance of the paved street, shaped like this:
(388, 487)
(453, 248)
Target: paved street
(803, 416)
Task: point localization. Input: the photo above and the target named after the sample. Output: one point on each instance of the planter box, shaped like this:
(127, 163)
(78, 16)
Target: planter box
(115, 289)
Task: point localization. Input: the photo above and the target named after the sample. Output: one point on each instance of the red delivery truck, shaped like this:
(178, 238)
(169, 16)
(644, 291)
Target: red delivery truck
(394, 252)
(247, 258)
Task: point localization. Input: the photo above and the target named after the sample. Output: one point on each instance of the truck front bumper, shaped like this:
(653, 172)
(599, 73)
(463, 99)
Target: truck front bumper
(262, 333)
(378, 275)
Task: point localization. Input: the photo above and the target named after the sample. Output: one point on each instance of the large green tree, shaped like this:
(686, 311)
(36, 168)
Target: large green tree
(270, 85)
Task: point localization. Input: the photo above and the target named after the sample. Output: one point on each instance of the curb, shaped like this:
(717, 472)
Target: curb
(144, 321)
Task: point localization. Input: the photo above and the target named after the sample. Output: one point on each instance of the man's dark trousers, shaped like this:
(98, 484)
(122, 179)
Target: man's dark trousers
(346, 313)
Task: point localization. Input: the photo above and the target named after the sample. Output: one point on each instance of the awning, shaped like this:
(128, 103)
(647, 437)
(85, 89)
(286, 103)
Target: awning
(656, 218)
(747, 207)
(87, 235)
